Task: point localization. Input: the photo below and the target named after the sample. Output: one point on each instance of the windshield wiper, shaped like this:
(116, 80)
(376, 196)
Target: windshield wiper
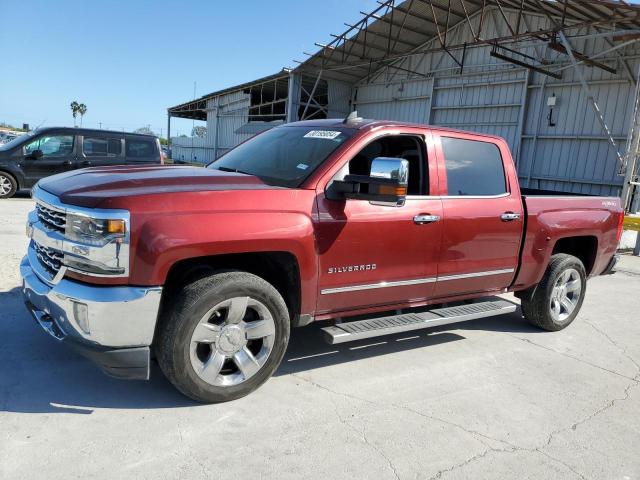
(234, 170)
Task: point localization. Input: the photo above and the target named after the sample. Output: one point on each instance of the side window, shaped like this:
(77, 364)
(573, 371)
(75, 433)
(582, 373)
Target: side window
(473, 167)
(52, 145)
(140, 148)
(101, 147)
(408, 147)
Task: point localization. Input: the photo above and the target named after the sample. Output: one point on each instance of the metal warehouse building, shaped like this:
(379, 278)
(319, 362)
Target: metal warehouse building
(557, 79)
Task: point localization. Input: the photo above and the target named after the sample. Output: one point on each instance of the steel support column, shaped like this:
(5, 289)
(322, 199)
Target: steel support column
(631, 158)
(521, 117)
(168, 130)
(293, 97)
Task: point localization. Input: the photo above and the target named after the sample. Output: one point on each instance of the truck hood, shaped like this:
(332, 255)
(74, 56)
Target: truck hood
(90, 187)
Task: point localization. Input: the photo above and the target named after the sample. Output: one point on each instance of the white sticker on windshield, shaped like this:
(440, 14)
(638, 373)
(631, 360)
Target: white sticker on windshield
(327, 134)
(302, 166)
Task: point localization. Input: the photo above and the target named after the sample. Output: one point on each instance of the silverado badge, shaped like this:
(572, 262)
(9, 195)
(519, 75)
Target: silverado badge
(352, 268)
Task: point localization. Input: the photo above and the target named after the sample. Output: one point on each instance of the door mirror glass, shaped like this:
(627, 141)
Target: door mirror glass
(392, 169)
(386, 184)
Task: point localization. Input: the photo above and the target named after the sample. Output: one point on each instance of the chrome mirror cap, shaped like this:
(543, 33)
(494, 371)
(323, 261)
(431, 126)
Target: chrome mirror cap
(391, 168)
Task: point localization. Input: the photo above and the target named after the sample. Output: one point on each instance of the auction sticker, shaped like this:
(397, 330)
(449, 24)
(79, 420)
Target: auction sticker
(326, 134)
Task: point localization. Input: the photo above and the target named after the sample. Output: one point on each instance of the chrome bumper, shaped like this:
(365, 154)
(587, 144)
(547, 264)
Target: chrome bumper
(113, 325)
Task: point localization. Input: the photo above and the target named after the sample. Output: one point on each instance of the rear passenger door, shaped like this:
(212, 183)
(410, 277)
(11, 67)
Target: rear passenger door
(483, 216)
(101, 149)
(141, 150)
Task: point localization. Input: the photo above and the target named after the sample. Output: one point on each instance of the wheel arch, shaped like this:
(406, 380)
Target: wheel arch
(280, 268)
(584, 247)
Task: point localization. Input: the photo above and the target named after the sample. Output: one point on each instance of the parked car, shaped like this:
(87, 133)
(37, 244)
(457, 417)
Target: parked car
(48, 151)
(209, 268)
(6, 137)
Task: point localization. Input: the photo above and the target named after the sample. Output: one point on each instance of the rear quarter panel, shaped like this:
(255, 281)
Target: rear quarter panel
(552, 218)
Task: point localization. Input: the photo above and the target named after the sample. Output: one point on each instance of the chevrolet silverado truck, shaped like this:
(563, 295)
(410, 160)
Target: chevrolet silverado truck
(206, 270)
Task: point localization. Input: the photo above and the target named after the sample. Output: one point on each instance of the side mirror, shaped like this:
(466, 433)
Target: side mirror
(36, 154)
(386, 184)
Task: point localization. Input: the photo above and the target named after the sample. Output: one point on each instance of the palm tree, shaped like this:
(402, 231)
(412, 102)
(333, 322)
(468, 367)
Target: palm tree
(74, 111)
(82, 109)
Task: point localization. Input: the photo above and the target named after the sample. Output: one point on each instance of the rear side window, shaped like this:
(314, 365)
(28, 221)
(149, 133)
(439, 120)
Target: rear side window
(473, 168)
(140, 148)
(101, 147)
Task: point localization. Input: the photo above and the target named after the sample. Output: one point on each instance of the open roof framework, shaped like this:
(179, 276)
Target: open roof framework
(397, 30)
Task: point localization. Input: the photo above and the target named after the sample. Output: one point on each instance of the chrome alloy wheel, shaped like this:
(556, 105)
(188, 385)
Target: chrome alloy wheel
(5, 185)
(565, 295)
(232, 341)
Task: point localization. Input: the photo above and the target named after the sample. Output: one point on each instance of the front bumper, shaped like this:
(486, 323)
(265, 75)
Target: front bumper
(111, 325)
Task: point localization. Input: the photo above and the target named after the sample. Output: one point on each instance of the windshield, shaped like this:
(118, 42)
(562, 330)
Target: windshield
(17, 141)
(283, 156)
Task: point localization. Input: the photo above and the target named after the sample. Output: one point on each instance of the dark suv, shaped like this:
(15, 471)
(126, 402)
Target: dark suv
(48, 151)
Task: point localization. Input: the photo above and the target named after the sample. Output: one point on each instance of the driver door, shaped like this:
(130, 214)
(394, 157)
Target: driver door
(58, 155)
(373, 255)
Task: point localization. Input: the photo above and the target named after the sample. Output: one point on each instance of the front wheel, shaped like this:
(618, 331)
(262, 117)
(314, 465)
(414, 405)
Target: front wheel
(223, 337)
(555, 302)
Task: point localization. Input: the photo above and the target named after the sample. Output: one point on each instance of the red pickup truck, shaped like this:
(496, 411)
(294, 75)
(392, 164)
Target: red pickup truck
(207, 269)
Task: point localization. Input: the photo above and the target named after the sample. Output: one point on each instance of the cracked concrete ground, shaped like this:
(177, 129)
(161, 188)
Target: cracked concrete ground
(494, 398)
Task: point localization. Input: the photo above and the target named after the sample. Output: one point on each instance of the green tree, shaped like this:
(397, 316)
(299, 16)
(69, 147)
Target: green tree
(78, 109)
(74, 111)
(82, 109)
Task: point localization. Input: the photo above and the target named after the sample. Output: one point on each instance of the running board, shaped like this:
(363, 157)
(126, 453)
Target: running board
(376, 327)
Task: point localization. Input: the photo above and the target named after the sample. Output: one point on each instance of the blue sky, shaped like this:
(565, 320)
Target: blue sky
(130, 60)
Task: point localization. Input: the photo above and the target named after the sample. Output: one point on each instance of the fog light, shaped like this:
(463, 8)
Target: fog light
(81, 314)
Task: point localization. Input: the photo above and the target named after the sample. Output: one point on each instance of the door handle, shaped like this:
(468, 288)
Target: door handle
(86, 163)
(425, 218)
(509, 216)
(67, 163)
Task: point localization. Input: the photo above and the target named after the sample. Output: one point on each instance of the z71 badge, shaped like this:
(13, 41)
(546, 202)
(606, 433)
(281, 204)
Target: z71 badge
(352, 268)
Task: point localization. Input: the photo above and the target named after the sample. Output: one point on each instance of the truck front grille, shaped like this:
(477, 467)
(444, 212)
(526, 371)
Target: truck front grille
(52, 219)
(49, 258)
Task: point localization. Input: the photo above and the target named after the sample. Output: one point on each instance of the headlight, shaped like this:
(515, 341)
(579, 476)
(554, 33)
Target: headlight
(94, 231)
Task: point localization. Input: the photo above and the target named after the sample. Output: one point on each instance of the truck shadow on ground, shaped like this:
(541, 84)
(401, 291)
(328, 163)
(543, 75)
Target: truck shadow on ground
(39, 375)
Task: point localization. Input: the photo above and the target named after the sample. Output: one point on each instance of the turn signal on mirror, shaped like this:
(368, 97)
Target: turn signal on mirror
(115, 226)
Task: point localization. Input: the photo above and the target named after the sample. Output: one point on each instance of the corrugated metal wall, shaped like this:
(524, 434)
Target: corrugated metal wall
(495, 97)
(225, 115)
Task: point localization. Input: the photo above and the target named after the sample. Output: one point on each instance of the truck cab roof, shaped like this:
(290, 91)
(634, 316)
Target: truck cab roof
(368, 124)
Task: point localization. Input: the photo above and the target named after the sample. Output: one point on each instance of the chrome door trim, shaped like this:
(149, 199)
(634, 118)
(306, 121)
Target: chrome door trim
(371, 286)
(415, 281)
(476, 274)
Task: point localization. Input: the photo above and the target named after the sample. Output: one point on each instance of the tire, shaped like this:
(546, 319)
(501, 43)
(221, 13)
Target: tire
(202, 345)
(8, 185)
(555, 302)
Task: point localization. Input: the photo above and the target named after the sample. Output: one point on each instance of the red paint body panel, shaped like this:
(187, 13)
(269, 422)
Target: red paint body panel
(550, 219)
(180, 213)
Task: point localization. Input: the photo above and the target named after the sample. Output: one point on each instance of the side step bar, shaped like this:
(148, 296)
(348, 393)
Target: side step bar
(376, 327)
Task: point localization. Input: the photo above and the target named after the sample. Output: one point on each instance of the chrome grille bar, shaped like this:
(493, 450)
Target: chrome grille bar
(53, 219)
(49, 258)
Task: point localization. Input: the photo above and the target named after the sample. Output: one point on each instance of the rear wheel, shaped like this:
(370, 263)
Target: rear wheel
(8, 185)
(224, 336)
(555, 302)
